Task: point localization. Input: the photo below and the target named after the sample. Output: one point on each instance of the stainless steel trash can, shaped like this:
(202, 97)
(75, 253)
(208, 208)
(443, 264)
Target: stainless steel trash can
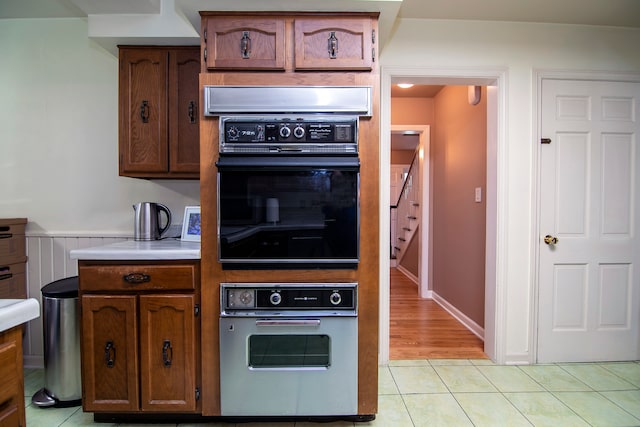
(61, 330)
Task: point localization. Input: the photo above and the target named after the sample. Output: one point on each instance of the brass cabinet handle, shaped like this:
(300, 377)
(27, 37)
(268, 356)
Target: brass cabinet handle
(550, 240)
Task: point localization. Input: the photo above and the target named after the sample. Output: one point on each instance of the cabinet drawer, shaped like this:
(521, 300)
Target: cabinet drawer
(137, 277)
(12, 243)
(12, 281)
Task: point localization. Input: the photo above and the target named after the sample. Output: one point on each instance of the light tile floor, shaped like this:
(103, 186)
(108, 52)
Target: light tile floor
(416, 393)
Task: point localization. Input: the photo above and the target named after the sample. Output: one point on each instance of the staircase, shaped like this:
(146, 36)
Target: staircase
(407, 213)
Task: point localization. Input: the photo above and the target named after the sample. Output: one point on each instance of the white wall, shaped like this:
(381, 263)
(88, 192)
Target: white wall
(59, 135)
(521, 50)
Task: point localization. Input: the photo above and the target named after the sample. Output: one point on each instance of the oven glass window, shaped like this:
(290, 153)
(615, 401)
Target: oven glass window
(289, 351)
(288, 215)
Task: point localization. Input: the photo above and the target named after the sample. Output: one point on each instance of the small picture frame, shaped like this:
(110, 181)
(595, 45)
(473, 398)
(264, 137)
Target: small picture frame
(191, 224)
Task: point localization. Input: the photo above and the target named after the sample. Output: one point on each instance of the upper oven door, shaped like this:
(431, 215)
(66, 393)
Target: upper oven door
(288, 211)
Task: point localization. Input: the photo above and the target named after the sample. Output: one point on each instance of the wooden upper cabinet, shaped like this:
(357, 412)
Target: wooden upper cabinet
(334, 43)
(244, 42)
(158, 117)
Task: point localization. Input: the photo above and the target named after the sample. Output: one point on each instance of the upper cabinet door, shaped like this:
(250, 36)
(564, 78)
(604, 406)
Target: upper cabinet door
(143, 111)
(328, 43)
(184, 110)
(245, 42)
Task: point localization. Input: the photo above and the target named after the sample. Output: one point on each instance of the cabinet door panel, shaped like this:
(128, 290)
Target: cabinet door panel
(109, 353)
(143, 111)
(167, 352)
(184, 134)
(333, 43)
(245, 43)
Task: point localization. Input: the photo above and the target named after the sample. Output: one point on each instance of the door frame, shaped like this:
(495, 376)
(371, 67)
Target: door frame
(496, 195)
(540, 75)
(424, 237)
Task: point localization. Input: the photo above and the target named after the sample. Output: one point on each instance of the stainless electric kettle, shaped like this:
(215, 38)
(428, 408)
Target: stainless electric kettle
(146, 224)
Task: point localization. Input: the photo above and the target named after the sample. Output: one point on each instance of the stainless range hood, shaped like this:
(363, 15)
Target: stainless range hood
(287, 99)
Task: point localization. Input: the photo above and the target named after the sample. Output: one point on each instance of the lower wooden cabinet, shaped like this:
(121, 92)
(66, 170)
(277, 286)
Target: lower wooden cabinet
(139, 350)
(12, 413)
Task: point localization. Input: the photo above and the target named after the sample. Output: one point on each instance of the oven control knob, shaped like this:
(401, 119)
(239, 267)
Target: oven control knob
(285, 131)
(298, 132)
(275, 298)
(335, 298)
(233, 132)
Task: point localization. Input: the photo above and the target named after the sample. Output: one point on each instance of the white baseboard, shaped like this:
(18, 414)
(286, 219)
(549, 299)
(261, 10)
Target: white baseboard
(476, 329)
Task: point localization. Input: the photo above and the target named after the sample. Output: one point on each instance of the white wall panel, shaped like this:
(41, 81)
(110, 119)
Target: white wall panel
(48, 260)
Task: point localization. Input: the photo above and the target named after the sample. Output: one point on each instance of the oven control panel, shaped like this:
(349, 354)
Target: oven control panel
(304, 135)
(288, 296)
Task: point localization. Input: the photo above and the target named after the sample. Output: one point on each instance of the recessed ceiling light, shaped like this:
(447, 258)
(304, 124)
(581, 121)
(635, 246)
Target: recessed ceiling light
(405, 85)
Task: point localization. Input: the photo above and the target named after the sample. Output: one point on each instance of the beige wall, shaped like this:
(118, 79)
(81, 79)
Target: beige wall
(458, 161)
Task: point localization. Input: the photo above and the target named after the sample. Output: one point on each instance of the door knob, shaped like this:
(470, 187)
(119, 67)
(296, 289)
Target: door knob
(550, 240)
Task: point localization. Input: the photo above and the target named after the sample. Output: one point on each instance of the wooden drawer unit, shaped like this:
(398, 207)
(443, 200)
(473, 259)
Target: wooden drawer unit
(13, 282)
(12, 241)
(137, 277)
(244, 42)
(13, 258)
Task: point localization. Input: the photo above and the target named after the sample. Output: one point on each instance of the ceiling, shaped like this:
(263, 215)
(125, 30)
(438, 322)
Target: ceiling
(620, 13)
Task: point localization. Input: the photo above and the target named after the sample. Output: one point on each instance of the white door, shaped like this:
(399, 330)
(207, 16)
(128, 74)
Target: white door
(589, 292)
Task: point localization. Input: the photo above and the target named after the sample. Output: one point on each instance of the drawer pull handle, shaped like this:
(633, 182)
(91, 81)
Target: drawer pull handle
(136, 278)
(5, 276)
(6, 235)
(109, 354)
(167, 353)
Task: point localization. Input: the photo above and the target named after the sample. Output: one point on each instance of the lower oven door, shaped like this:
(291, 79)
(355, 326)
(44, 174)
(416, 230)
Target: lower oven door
(288, 367)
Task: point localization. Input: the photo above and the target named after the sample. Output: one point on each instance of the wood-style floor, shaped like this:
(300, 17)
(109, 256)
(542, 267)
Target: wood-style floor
(421, 329)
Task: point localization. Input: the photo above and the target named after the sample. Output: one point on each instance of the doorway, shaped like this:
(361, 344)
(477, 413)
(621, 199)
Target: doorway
(495, 101)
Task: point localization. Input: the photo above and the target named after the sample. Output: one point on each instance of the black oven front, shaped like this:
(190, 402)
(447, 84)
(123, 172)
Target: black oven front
(288, 211)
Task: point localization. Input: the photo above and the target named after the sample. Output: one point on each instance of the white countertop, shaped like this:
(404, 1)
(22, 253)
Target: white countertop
(166, 249)
(14, 312)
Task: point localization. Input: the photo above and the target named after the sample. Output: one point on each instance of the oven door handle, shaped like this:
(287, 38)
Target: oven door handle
(288, 322)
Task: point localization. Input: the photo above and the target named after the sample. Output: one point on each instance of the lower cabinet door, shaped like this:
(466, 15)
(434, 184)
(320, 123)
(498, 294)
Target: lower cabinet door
(109, 353)
(167, 353)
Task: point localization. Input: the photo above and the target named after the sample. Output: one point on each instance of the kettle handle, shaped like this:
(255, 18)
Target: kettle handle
(166, 210)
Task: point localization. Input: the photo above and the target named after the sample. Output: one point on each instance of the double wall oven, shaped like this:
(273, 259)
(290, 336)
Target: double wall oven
(288, 198)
